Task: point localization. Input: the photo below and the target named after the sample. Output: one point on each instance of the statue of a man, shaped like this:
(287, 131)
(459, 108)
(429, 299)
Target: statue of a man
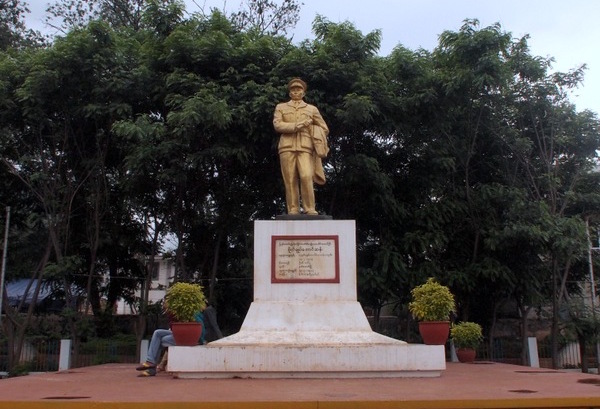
(302, 144)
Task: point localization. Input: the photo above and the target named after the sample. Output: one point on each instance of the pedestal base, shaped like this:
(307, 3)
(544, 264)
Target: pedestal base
(306, 328)
(307, 340)
(321, 360)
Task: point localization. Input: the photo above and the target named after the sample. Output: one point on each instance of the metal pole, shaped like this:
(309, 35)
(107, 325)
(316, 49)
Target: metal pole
(4, 261)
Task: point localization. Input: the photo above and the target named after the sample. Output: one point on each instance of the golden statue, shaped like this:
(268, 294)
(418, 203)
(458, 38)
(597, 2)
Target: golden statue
(302, 144)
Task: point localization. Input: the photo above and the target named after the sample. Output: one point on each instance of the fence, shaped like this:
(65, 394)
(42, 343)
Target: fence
(36, 356)
(44, 356)
(507, 350)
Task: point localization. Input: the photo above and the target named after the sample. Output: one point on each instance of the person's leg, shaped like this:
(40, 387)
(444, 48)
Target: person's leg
(164, 339)
(160, 337)
(168, 340)
(156, 342)
(163, 362)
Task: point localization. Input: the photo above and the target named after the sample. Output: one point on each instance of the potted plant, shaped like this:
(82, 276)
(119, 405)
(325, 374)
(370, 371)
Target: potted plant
(432, 304)
(466, 337)
(184, 302)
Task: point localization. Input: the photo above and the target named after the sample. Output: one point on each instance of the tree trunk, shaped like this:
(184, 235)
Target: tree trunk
(524, 319)
(213, 273)
(94, 238)
(558, 293)
(140, 326)
(376, 317)
(583, 353)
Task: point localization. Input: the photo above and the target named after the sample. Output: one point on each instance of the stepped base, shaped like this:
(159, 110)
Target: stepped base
(307, 355)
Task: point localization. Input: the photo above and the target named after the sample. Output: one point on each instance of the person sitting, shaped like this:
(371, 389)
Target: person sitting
(211, 331)
(164, 338)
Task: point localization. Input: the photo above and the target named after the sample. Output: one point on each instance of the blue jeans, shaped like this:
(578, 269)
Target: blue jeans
(160, 337)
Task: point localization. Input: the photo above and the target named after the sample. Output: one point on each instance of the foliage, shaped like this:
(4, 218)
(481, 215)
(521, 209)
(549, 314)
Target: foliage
(66, 15)
(431, 301)
(13, 31)
(267, 17)
(466, 334)
(582, 323)
(21, 369)
(184, 301)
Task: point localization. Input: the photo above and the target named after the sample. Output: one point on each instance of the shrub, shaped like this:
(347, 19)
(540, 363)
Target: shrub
(466, 335)
(184, 300)
(431, 301)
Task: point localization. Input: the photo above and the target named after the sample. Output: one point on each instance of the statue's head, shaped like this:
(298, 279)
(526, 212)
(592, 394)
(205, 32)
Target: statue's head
(297, 82)
(297, 88)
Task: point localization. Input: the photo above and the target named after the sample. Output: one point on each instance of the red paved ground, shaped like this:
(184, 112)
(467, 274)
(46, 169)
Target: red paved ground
(479, 385)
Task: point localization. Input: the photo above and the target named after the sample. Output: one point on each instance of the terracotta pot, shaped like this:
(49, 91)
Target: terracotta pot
(434, 332)
(466, 355)
(186, 333)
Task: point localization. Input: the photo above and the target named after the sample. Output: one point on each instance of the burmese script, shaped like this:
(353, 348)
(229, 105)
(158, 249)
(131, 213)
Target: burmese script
(305, 259)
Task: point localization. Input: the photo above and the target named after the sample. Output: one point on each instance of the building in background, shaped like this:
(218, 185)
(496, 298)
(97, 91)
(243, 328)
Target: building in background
(163, 273)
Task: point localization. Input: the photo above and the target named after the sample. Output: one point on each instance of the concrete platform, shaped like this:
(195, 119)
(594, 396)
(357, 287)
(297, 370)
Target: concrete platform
(305, 320)
(479, 385)
(344, 360)
(278, 341)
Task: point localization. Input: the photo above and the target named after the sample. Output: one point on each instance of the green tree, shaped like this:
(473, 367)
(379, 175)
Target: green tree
(461, 129)
(13, 32)
(562, 151)
(66, 15)
(267, 17)
(57, 142)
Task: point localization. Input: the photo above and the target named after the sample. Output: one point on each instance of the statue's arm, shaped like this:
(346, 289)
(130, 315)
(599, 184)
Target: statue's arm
(280, 125)
(319, 121)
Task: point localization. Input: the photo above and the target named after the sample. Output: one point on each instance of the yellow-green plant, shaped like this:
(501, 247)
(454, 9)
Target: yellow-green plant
(431, 301)
(466, 335)
(184, 301)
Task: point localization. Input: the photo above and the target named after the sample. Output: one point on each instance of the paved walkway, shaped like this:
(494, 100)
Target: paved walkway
(479, 385)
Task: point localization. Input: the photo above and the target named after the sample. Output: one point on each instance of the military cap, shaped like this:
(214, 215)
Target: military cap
(297, 82)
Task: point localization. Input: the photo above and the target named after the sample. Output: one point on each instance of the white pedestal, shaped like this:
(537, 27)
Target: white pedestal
(306, 327)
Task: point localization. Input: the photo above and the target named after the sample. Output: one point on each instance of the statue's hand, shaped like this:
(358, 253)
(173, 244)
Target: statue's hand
(304, 124)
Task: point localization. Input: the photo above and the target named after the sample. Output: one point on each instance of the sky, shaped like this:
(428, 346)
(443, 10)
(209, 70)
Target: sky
(568, 31)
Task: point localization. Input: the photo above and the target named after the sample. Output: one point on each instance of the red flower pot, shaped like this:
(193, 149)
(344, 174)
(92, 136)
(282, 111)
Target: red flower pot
(186, 333)
(434, 332)
(466, 355)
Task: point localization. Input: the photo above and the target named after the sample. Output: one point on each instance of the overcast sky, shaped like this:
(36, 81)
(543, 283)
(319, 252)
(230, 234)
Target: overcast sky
(566, 30)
